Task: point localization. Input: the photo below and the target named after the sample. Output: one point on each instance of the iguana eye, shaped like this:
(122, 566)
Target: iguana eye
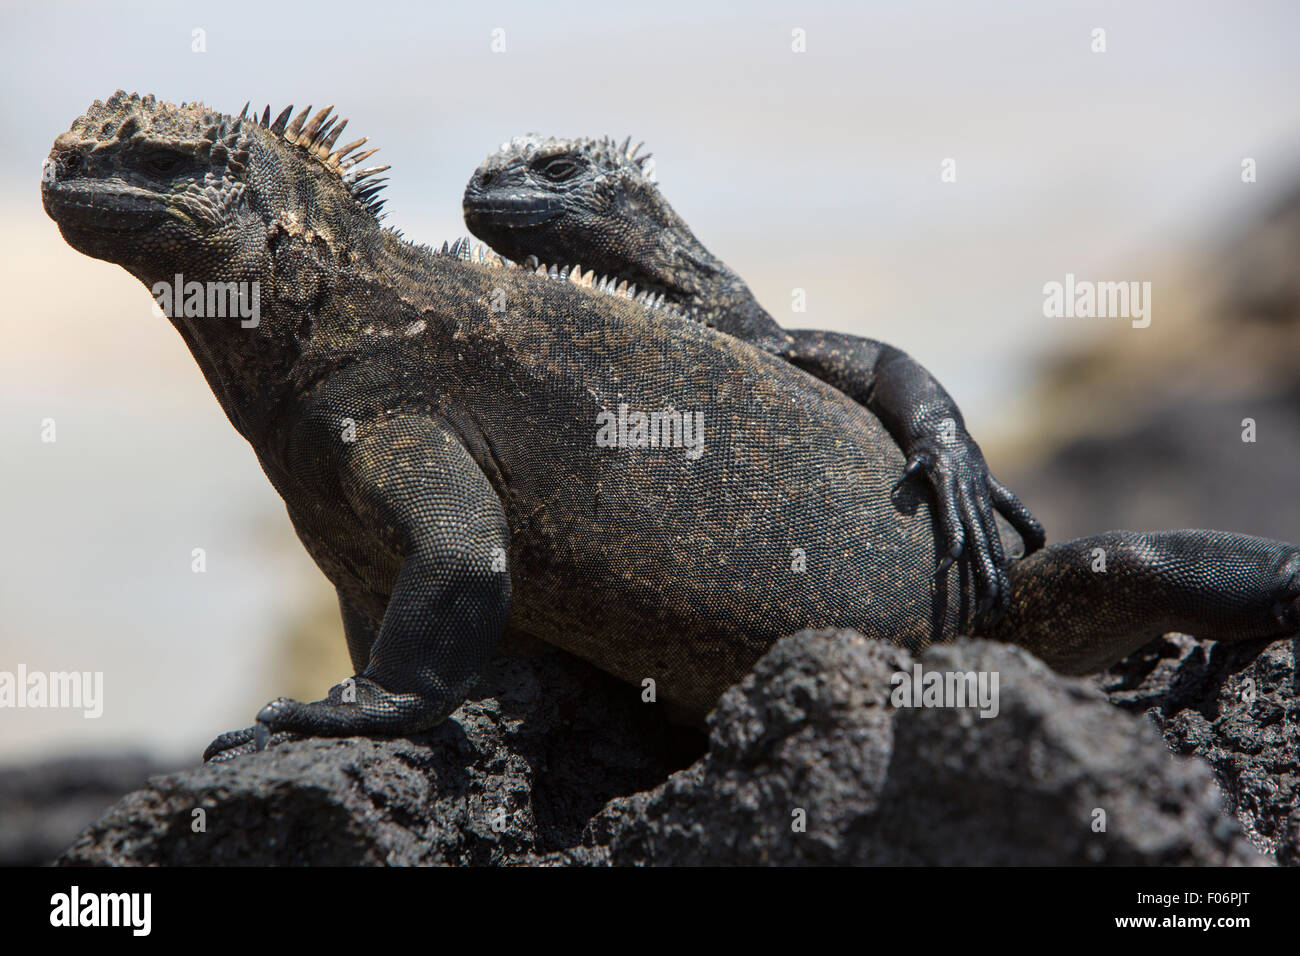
(559, 169)
(164, 161)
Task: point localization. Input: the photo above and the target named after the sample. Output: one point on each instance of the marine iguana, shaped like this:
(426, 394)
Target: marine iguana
(596, 202)
(439, 456)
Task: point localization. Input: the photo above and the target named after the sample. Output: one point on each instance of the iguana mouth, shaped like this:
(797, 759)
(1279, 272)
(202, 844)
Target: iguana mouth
(513, 212)
(97, 208)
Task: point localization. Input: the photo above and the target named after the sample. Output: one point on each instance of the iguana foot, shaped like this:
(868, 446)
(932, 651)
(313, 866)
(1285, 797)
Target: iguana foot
(357, 707)
(965, 497)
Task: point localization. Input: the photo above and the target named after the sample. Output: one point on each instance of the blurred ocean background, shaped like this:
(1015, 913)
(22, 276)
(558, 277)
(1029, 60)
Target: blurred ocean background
(817, 171)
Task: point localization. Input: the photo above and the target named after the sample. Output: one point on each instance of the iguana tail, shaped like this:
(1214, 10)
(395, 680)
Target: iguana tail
(1084, 604)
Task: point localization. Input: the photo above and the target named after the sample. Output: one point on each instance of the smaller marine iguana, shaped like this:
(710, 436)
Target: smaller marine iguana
(595, 201)
(440, 460)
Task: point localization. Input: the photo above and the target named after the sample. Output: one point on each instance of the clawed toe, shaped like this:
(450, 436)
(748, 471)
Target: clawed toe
(239, 743)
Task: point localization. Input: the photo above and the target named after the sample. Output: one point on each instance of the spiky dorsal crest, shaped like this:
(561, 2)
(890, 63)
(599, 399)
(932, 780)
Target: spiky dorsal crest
(468, 250)
(316, 135)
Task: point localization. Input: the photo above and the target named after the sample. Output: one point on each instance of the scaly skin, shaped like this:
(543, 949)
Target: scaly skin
(596, 202)
(432, 421)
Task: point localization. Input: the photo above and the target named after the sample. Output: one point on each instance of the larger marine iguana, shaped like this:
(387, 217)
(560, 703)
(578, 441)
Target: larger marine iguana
(596, 202)
(439, 459)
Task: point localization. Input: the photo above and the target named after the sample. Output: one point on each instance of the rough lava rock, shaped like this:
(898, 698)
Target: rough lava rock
(1237, 706)
(509, 776)
(813, 730)
(561, 764)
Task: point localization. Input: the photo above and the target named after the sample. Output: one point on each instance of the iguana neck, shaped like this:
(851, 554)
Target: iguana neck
(248, 369)
(251, 355)
(676, 261)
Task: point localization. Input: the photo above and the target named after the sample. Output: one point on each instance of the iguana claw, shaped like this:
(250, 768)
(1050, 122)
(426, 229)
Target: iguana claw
(239, 743)
(914, 464)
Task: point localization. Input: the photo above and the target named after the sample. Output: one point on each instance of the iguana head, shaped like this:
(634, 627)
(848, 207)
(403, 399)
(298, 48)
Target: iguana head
(237, 225)
(590, 202)
(594, 203)
(160, 189)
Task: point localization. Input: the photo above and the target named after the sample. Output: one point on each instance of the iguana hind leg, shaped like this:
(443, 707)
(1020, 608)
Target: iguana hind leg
(1082, 605)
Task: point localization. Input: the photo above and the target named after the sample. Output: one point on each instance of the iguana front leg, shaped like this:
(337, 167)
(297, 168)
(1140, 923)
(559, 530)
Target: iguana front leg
(929, 429)
(412, 482)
